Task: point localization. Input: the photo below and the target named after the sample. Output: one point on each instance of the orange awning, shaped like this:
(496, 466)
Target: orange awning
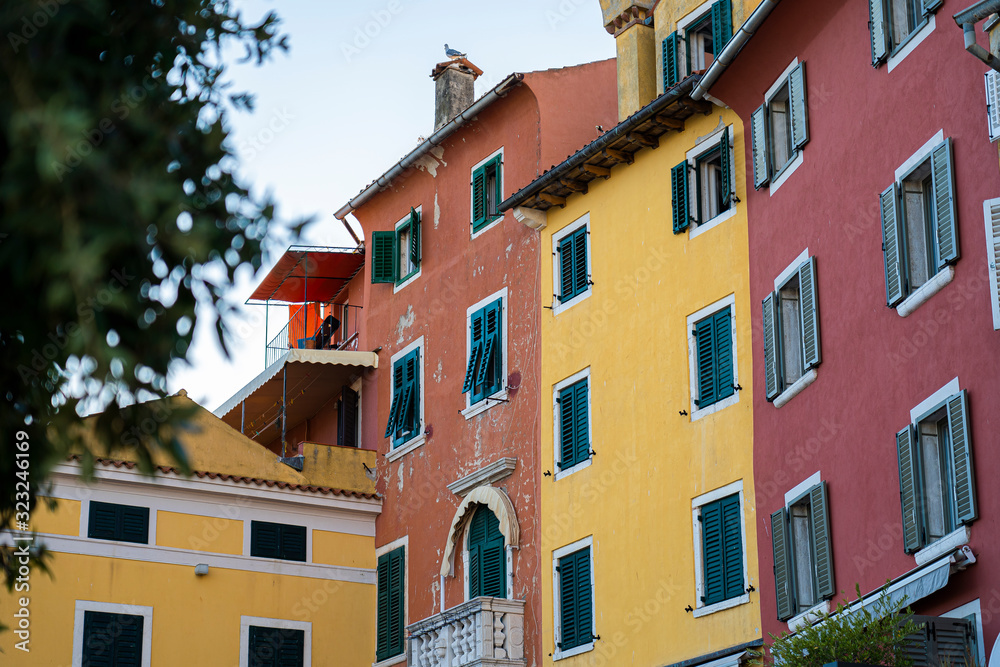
(310, 274)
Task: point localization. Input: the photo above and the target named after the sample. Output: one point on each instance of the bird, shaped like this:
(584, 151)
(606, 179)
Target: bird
(599, 128)
(452, 53)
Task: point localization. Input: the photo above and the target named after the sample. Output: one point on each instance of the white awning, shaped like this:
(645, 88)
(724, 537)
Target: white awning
(914, 586)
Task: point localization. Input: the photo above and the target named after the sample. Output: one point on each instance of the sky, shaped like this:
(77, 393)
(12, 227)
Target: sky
(346, 102)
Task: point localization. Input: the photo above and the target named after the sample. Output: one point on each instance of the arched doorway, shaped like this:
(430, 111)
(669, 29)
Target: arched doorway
(487, 561)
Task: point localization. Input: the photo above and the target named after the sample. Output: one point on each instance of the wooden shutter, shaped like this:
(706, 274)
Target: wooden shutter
(276, 647)
(584, 598)
(127, 640)
(124, 523)
(712, 553)
(391, 597)
(798, 106)
(415, 249)
(475, 569)
(704, 334)
(567, 448)
(565, 250)
(809, 311)
(581, 278)
(782, 565)
(772, 385)
(497, 188)
(265, 539)
(819, 517)
(879, 31)
(679, 196)
(991, 213)
(993, 104)
(477, 327)
(112, 640)
(941, 642)
(759, 143)
(134, 524)
(945, 219)
(383, 257)
(568, 603)
(494, 570)
(492, 347)
(293, 543)
(103, 521)
(479, 197)
(908, 484)
(382, 630)
(581, 426)
(725, 166)
(722, 25)
(961, 458)
(347, 420)
(732, 539)
(722, 325)
(931, 6)
(892, 246)
(670, 74)
(397, 392)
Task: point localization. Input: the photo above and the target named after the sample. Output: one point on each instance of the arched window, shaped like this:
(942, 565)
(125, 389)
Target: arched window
(487, 564)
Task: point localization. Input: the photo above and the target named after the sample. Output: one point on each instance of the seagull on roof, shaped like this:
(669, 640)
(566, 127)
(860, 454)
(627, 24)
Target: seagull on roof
(452, 53)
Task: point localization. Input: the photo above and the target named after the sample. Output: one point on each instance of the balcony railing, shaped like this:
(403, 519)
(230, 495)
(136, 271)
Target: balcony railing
(482, 631)
(296, 334)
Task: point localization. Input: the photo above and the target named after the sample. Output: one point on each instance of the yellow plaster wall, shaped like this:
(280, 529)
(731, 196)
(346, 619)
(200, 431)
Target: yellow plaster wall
(331, 548)
(196, 620)
(636, 60)
(200, 533)
(63, 519)
(635, 498)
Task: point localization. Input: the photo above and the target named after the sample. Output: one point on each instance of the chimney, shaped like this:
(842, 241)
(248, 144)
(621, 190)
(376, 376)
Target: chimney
(454, 89)
(631, 22)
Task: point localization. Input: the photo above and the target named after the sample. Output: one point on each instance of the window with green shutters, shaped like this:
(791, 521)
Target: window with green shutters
(395, 256)
(487, 192)
(391, 600)
(573, 424)
(484, 367)
(701, 186)
(779, 128)
(277, 540)
(919, 224)
(404, 411)
(892, 23)
(348, 418)
(123, 523)
(937, 488)
(803, 556)
(697, 43)
(275, 647)
(487, 558)
(112, 640)
(714, 358)
(791, 330)
(572, 265)
(721, 526)
(575, 590)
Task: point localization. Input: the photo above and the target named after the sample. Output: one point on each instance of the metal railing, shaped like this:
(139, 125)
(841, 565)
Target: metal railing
(299, 333)
(482, 631)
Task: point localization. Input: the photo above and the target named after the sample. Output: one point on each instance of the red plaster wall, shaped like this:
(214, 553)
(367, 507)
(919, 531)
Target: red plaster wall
(863, 124)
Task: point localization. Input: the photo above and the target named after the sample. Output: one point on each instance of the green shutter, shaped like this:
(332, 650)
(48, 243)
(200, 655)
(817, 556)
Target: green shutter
(758, 140)
(124, 523)
(723, 334)
(712, 553)
(722, 25)
(475, 569)
(879, 31)
(383, 257)
(415, 250)
(892, 246)
(391, 597)
(798, 105)
(679, 196)
(567, 448)
(112, 640)
(704, 334)
(584, 597)
(293, 543)
(945, 219)
(725, 167)
(772, 385)
(397, 391)
(276, 647)
(487, 564)
(908, 500)
(492, 347)
(134, 524)
(819, 516)
(931, 6)
(382, 631)
(479, 197)
(581, 426)
(498, 187)
(670, 74)
(565, 250)
(809, 311)
(568, 607)
(476, 335)
(265, 539)
(581, 277)
(961, 458)
(732, 537)
(782, 565)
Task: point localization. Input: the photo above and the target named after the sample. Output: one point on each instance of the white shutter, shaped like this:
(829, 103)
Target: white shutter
(991, 211)
(993, 103)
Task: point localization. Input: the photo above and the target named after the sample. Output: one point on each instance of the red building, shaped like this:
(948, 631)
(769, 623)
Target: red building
(450, 300)
(876, 349)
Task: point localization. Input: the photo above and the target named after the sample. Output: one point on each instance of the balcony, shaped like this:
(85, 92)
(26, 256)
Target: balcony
(483, 632)
(316, 326)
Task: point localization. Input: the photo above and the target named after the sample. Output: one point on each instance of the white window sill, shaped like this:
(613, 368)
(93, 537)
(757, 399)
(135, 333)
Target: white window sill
(558, 307)
(945, 545)
(719, 606)
(796, 389)
(406, 282)
(926, 291)
(579, 466)
(786, 172)
(405, 448)
(697, 414)
(911, 44)
(485, 404)
(808, 617)
(559, 655)
(722, 217)
(394, 660)
(485, 228)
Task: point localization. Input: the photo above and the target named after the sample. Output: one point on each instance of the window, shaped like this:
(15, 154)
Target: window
(572, 424)
(936, 474)
(993, 104)
(919, 230)
(404, 411)
(112, 639)
(123, 523)
(720, 553)
(701, 185)
(484, 370)
(347, 418)
(391, 598)
(780, 127)
(714, 358)
(574, 590)
(943, 642)
(395, 256)
(803, 560)
(791, 330)
(487, 192)
(991, 213)
(894, 22)
(697, 42)
(487, 559)
(571, 269)
(276, 540)
(275, 647)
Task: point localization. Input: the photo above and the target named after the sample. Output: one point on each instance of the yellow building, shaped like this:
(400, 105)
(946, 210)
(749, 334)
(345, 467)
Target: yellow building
(647, 500)
(247, 559)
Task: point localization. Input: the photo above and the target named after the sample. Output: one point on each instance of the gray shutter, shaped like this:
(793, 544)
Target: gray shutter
(961, 457)
(892, 245)
(725, 167)
(945, 220)
(758, 138)
(931, 6)
(771, 385)
(799, 106)
(879, 31)
(908, 501)
(809, 310)
(782, 565)
(819, 516)
(991, 214)
(993, 103)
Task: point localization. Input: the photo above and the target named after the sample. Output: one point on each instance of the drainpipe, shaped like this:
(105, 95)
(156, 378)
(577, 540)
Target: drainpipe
(967, 19)
(733, 47)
